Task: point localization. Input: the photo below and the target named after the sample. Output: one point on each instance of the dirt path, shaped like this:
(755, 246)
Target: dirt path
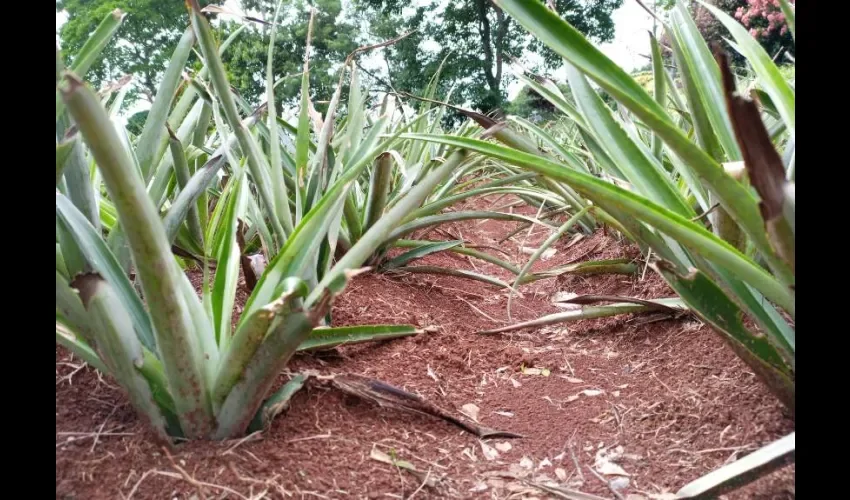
(665, 401)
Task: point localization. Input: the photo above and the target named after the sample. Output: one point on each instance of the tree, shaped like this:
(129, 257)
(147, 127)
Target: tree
(142, 46)
(476, 39)
(532, 106)
(136, 122)
(333, 39)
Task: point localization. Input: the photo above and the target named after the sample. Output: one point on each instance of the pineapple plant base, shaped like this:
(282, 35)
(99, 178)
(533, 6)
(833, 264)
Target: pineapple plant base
(674, 394)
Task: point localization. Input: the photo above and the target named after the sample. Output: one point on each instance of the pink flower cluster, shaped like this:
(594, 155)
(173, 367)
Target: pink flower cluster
(767, 10)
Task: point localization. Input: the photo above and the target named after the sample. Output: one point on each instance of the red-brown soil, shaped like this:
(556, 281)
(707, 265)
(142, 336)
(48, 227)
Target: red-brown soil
(668, 392)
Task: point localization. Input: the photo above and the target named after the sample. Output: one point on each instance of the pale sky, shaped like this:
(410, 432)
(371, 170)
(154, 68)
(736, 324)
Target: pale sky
(632, 25)
(630, 40)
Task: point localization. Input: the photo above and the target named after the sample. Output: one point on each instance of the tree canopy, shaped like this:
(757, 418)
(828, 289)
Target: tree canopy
(476, 39)
(143, 44)
(152, 29)
(332, 40)
(473, 39)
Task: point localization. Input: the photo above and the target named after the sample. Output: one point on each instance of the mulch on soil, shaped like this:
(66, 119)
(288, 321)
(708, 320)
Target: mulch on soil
(665, 401)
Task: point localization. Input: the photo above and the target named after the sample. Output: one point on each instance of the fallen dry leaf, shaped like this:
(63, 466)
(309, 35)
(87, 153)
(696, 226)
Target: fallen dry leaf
(605, 462)
(619, 483)
(489, 452)
(478, 488)
(560, 300)
(429, 479)
(504, 446)
(610, 469)
(471, 411)
(432, 374)
(496, 483)
(561, 473)
(546, 255)
(380, 456)
(517, 488)
(563, 296)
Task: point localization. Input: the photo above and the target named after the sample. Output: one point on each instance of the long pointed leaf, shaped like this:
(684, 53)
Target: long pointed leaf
(154, 133)
(256, 160)
(660, 87)
(120, 350)
(789, 10)
(702, 67)
(185, 361)
(276, 403)
(377, 235)
(379, 190)
(419, 252)
(612, 266)
(69, 305)
(240, 406)
(181, 171)
(91, 50)
(564, 39)
(645, 174)
(249, 337)
(278, 185)
(709, 302)
(63, 151)
(105, 264)
(66, 338)
(433, 220)
(695, 237)
(79, 184)
(227, 259)
(769, 75)
(742, 471)
(460, 273)
(543, 247)
(328, 338)
(589, 312)
(461, 250)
